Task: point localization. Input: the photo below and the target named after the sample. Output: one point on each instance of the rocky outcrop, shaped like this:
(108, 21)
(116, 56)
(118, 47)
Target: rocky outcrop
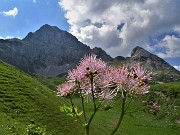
(49, 51)
(161, 70)
(141, 55)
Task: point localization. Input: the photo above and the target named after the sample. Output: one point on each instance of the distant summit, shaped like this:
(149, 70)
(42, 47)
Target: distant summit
(161, 70)
(141, 55)
(48, 51)
(51, 52)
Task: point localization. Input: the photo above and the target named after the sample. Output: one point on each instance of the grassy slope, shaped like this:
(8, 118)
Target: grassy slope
(142, 123)
(23, 100)
(139, 124)
(50, 82)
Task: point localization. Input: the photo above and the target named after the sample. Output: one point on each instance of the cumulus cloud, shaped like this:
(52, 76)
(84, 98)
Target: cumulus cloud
(170, 46)
(96, 22)
(12, 12)
(177, 67)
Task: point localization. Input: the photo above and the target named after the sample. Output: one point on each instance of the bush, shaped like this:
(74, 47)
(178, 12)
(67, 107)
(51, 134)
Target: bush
(33, 129)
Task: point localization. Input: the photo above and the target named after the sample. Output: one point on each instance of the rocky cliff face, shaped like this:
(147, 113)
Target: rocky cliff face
(161, 70)
(49, 51)
(52, 52)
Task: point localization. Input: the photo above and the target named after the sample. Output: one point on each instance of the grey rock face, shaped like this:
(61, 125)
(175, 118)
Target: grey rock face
(161, 70)
(150, 60)
(49, 51)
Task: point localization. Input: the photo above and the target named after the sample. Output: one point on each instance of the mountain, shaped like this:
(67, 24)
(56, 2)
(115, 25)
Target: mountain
(161, 70)
(49, 51)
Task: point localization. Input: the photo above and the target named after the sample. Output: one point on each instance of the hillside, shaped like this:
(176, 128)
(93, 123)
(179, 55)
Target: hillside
(23, 101)
(166, 122)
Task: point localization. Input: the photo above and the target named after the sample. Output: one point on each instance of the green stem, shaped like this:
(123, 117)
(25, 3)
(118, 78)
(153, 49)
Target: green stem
(72, 104)
(128, 105)
(121, 116)
(92, 90)
(91, 118)
(87, 129)
(94, 103)
(84, 113)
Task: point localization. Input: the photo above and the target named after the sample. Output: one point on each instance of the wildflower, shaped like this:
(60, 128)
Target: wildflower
(90, 64)
(141, 73)
(107, 94)
(106, 87)
(66, 88)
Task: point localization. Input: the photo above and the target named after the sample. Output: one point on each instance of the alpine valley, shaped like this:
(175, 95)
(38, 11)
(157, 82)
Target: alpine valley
(31, 69)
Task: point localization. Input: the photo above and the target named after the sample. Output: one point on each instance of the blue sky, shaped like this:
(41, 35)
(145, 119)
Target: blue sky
(117, 26)
(30, 17)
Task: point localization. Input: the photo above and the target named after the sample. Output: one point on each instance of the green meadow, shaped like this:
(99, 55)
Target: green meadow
(26, 100)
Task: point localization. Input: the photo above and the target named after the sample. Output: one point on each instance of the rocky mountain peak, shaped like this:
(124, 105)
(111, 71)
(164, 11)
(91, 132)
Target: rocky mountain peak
(48, 34)
(139, 51)
(48, 51)
(159, 66)
(101, 53)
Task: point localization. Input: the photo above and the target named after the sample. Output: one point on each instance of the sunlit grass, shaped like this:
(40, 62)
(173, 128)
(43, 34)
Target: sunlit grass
(24, 100)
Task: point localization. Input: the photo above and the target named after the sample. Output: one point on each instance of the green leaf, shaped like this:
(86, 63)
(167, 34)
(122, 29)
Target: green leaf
(70, 111)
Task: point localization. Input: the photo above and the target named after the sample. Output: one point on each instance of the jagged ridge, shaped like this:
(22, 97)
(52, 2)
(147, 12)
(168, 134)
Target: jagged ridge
(161, 70)
(49, 51)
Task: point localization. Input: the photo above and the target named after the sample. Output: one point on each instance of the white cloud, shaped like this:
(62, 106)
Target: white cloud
(177, 67)
(12, 12)
(95, 22)
(171, 46)
(8, 37)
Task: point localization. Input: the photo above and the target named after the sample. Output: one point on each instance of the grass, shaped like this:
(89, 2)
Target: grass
(26, 100)
(139, 123)
(50, 82)
(117, 62)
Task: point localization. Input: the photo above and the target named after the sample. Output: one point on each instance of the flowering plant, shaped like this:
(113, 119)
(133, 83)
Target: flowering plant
(95, 79)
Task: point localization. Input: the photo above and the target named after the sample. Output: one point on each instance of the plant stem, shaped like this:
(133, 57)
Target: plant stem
(128, 105)
(92, 90)
(84, 112)
(94, 103)
(72, 104)
(91, 118)
(121, 116)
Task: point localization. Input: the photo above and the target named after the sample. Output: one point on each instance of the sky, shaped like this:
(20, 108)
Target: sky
(117, 26)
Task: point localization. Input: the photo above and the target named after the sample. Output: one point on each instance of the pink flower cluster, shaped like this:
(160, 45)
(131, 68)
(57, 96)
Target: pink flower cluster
(88, 64)
(66, 88)
(107, 80)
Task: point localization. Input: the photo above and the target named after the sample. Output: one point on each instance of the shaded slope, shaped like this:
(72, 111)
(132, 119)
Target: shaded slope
(27, 101)
(48, 51)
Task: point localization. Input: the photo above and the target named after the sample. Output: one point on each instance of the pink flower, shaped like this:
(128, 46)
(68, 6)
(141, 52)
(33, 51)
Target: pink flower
(107, 93)
(132, 79)
(141, 73)
(140, 90)
(90, 64)
(66, 88)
